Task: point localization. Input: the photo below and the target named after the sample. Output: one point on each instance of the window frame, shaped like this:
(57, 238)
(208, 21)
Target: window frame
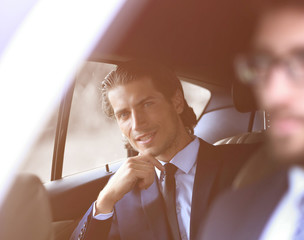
(61, 132)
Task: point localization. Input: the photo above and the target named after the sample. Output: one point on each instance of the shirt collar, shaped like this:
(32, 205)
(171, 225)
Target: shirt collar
(186, 158)
(296, 182)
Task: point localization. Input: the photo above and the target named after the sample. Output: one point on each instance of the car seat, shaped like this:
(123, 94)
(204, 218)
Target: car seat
(26, 213)
(244, 101)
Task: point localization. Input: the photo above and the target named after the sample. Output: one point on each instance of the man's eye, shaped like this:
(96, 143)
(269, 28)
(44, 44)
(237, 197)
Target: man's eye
(123, 116)
(261, 61)
(148, 104)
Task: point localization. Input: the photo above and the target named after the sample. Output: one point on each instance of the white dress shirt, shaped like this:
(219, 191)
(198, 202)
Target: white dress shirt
(185, 161)
(283, 222)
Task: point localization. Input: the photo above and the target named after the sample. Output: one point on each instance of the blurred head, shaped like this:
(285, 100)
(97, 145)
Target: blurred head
(148, 103)
(275, 68)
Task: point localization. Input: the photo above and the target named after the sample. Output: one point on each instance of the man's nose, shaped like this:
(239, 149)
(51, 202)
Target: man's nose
(138, 120)
(278, 88)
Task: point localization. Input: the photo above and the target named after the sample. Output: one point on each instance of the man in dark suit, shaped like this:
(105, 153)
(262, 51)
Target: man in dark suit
(148, 104)
(271, 207)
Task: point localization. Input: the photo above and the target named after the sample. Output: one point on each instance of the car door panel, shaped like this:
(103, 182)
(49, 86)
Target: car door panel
(70, 197)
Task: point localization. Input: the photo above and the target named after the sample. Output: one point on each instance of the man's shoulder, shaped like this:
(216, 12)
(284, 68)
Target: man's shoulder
(234, 156)
(242, 213)
(230, 211)
(227, 160)
(238, 151)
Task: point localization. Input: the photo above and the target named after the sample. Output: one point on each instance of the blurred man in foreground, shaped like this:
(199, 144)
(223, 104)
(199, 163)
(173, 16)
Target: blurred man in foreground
(272, 208)
(148, 104)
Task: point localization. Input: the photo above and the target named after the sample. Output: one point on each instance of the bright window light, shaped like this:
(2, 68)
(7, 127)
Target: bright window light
(37, 66)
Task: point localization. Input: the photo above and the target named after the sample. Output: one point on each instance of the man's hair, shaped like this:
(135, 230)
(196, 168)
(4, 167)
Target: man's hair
(263, 7)
(163, 79)
(278, 4)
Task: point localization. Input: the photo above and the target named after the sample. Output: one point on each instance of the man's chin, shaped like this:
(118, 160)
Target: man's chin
(148, 151)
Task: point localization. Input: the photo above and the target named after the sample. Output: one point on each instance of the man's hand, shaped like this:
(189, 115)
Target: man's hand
(137, 170)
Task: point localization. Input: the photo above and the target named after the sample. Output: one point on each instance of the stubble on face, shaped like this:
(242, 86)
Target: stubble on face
(280, 32)
(150, 122)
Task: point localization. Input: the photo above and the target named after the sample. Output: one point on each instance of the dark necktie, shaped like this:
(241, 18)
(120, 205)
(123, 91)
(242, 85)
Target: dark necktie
(169, 196)
(299, 233)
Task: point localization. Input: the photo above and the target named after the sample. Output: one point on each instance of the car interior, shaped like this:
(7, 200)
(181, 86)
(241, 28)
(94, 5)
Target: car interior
(199, 40)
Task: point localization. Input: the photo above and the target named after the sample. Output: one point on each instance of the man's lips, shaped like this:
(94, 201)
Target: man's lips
(285, 125)
(145, 138)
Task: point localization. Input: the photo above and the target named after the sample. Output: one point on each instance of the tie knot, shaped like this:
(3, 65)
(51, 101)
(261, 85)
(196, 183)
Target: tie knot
(170, 169)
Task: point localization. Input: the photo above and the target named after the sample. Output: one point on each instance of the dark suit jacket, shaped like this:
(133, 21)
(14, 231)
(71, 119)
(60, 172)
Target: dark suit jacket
(243, 214)
(141, 214)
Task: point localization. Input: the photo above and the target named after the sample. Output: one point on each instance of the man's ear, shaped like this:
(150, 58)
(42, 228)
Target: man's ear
(178, 101)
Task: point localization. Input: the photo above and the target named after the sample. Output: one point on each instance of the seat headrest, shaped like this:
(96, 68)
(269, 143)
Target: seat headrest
(243, 98)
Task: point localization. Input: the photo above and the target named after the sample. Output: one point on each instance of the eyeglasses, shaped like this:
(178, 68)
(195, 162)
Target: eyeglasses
(255, 68)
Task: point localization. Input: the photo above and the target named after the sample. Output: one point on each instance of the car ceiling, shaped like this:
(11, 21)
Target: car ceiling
(197, 38)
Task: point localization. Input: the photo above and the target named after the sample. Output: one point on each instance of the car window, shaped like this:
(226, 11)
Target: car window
(197, 97)
(93, 139)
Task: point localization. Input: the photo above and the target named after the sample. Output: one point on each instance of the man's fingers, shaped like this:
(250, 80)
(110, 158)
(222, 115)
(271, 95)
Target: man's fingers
(146, 181)
(157, 164)
(142, 159)
(143, 174)
(144, 178)
(139, 164)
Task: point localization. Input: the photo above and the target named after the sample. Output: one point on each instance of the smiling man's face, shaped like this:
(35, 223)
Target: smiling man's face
(281, 35)
(150, 122)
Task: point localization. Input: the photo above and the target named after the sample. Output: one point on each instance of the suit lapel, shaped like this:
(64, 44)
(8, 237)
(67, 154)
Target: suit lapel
(154, 209)
(206, 172)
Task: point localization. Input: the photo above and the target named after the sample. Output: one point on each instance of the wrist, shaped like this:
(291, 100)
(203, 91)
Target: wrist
(104, 203)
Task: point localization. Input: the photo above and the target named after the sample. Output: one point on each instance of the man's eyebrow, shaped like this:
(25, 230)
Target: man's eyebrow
(258, 49)
(144, 100)
(137, 104)
(265, 50)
